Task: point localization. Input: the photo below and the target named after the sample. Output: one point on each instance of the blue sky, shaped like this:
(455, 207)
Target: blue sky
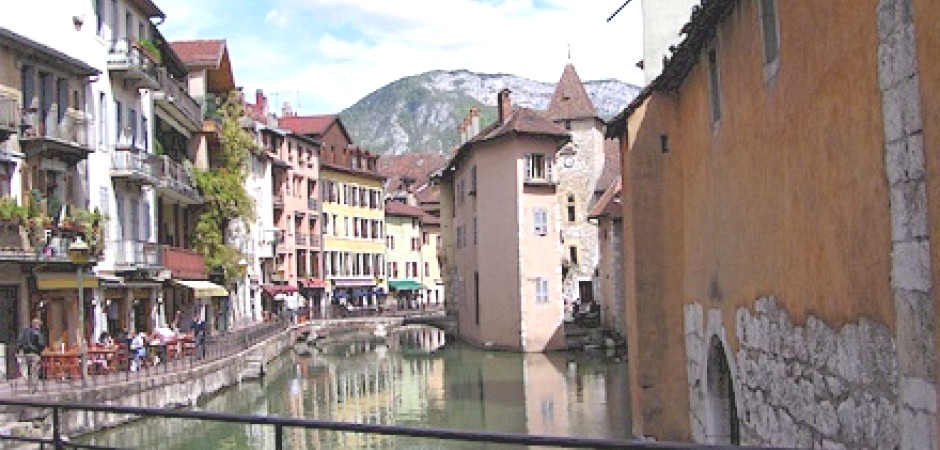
(324, 55)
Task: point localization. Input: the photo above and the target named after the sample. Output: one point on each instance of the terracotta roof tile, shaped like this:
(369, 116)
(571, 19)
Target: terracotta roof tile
(526, 121)
(395, 208)
(206, 52)
(414, 166)
(316, 125)
(609, 204)
(570, 100)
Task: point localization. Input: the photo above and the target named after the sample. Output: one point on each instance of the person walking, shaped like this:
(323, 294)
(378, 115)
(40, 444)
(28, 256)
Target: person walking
(30, 344)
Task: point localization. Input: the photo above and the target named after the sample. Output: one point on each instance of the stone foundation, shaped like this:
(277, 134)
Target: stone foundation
(798, 386)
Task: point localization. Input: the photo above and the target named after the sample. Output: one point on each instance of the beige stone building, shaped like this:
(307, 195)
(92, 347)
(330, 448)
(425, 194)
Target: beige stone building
(579, 167)
(502, 221)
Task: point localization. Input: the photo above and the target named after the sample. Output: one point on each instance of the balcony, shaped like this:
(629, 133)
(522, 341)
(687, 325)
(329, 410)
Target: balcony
(539, 180)
(48, 136)
(313, 204)
(134, 255)
(278, 200)
(133, 166)
(174, 99)
(9, 117)
(281, 242)
(127, 62)
(184, 264)
(175, 182)
(18, 245)
(314, 240)
(301, 239)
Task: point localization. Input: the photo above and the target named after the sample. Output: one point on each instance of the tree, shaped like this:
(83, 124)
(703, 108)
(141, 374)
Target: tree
(226, 201)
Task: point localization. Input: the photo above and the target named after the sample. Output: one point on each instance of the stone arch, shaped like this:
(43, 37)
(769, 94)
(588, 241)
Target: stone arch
(721, 424)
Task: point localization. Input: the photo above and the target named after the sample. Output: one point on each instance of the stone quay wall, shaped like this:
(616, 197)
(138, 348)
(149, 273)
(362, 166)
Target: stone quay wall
(170, 390)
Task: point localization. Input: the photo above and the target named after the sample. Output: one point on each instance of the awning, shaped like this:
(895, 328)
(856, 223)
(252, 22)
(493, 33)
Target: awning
(379, 292)
(353, 282)
(405, 285)
(203, 288)
(274, 289)
(51, 281)
(313, 283)
(339, 294)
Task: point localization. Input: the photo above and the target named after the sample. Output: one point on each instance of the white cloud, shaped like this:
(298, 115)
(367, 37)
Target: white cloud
(338, 51)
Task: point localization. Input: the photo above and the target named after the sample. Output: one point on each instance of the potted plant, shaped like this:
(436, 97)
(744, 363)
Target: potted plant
(91, 225)
(36, 227)
(11, 212)
(149, 48)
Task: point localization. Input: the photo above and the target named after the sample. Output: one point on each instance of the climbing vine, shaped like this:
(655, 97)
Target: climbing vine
(226, 201)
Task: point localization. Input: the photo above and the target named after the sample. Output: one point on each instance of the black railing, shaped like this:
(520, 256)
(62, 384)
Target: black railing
(156, 362)
(279, 423)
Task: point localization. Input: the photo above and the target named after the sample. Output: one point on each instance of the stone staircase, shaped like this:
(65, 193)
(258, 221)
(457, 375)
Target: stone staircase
(590, 338)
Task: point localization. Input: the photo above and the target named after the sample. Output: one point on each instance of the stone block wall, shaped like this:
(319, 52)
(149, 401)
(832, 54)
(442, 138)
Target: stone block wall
(812, 385)
(800, 386)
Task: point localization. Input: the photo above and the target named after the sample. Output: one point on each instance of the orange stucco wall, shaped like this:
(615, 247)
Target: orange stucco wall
(785, 196)
(926, 15)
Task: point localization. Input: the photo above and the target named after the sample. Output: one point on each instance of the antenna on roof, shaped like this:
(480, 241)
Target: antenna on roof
(618, 10)
(569, 52)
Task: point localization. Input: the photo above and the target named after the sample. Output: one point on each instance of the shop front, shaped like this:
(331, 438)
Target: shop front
(407, 293)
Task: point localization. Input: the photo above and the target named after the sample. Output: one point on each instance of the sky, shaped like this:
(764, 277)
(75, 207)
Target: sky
(324, 55)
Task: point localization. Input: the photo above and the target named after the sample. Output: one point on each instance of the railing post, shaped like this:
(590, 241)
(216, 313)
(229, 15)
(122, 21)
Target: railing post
(56, 434)
(278, 437)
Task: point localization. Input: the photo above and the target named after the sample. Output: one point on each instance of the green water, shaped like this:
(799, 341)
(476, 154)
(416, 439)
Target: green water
(411, 379)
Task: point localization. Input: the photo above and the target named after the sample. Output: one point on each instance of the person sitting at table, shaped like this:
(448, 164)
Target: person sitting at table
(138, 350)
(105, 339)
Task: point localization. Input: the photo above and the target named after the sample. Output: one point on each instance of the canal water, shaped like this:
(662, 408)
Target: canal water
(412, 378)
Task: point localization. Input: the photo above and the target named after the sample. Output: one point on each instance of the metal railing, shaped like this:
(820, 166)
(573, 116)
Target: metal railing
(300, 239)
(313, 204)
(178, 95)
(9, 114)
(71, 127)
(279, 423)
(125, 53)
(132, 163)
(136, 253)
(212, 349)
(173, 175)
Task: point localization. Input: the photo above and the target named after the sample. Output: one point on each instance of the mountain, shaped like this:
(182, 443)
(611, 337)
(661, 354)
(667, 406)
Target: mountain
(422, 113)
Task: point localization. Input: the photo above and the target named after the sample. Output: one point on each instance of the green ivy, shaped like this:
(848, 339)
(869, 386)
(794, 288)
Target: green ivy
(223, 189)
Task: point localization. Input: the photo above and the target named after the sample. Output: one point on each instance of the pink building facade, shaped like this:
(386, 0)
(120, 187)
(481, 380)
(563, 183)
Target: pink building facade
(502, 241)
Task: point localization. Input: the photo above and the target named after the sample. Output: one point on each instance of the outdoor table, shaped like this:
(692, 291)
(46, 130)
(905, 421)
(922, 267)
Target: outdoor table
(61, 364)
(103, 359)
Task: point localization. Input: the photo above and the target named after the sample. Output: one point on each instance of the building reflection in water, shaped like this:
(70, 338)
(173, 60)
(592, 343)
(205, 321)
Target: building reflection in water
(412, 378)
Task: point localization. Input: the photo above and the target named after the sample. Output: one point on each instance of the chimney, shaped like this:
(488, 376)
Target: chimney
(463, 132)
(474, 122)
(261, 102)
(504, 105)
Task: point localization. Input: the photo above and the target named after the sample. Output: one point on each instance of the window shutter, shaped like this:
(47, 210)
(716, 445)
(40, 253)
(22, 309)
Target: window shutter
(549, 165)
(541, 221)
(528, 166)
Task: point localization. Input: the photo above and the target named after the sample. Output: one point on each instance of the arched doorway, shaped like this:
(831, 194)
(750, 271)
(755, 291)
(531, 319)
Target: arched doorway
(722, 416)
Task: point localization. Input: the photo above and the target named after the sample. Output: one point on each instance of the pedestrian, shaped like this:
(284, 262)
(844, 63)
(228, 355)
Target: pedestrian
(138, 351)
(30, 344)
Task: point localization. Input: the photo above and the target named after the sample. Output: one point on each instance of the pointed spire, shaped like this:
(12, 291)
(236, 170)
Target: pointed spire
(570, 100)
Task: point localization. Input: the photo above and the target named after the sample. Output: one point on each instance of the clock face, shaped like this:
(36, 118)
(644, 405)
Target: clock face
(568, 161)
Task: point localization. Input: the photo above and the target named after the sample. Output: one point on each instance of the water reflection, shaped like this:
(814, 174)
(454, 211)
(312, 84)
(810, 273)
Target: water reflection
(412, 377)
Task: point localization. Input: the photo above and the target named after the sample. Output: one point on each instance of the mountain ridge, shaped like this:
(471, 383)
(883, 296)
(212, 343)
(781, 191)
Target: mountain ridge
(421, 113)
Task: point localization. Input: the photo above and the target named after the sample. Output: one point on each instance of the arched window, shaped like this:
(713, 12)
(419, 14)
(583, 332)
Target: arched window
(721, 413)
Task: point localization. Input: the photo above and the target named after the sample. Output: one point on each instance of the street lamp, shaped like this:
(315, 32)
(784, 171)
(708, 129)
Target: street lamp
(78, 254)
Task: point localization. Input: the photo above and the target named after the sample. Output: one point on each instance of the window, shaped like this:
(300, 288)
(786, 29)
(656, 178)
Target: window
(114, 20)
(118, 121)
(476, 296)
(713, 84)
(538, 168)
(132, 123)
(62, 97)
(395, 269)
(571, 210)
(769, 30)
(102, 124)
(475, 231)
(427, 269)
(541, 290)
(541, 221)
(473, 181)
(460, 192)
(99, 16)
(573, 253)
(770, 34)
(424, 238)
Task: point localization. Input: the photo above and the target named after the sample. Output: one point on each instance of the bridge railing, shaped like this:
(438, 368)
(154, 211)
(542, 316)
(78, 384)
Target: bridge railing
(58, 441)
